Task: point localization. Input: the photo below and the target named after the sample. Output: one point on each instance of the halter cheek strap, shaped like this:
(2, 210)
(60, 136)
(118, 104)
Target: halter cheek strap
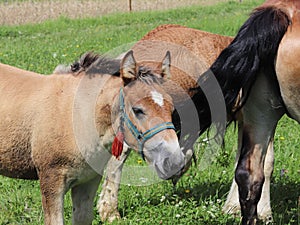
(139, 136)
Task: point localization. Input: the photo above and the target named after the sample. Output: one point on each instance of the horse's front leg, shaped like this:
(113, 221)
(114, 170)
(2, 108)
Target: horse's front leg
(108, 202)
(261, 113)
(83, 196)
(52, 185)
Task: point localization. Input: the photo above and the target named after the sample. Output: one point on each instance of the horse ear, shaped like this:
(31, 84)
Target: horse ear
(128, 67)
(166, 64)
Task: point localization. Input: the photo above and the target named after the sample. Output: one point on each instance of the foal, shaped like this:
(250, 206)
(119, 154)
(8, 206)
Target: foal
(59, 128)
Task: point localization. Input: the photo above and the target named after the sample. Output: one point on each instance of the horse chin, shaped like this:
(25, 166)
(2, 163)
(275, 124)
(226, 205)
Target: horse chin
(162, 174)
(187, 163)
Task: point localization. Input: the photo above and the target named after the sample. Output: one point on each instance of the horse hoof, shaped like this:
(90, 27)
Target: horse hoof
(108, 212)
(113, 217)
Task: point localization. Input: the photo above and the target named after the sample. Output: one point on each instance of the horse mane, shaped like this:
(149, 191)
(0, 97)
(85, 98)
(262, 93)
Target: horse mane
(148, 76)
(92, 63)
(254, 47)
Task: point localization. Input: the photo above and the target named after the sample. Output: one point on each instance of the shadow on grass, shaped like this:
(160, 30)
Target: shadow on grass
(285, 198)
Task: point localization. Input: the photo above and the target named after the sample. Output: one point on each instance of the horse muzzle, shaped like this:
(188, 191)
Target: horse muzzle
(167, 160)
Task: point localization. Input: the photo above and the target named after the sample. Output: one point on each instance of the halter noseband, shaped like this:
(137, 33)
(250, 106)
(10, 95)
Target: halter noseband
(139, 136)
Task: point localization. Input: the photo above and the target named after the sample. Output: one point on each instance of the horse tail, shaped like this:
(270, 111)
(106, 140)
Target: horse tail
(254, 47)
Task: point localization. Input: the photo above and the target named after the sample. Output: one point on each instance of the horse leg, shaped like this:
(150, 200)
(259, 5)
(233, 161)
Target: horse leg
(108, 202)
(83, 196)
(261, 113)
(53, 189)
(264, 210)
(232, 205)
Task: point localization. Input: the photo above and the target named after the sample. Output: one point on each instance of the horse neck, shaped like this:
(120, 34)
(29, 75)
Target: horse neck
(107, 91)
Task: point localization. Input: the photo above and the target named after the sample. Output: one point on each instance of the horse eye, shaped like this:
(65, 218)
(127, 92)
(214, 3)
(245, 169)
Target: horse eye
(138, 111)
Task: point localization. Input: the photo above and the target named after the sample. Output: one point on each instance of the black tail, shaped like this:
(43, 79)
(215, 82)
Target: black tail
(254, 47)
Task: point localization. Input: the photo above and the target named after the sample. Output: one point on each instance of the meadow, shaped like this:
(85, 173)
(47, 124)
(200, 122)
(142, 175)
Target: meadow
(200, 194)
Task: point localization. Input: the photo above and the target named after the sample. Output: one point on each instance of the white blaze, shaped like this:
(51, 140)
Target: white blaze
(157, 98)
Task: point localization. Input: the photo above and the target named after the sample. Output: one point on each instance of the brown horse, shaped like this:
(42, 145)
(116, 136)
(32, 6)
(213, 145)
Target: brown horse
(206, 47)
(193, 51)
(261, 61)
(58, 128)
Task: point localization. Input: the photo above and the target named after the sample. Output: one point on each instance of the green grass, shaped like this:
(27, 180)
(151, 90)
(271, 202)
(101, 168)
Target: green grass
(41, 47)
(199, 196)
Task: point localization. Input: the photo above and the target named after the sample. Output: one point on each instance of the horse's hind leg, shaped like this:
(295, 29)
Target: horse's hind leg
(83, 196)
(261, 113)
(264, 210)
(232, 205)
(108, 202)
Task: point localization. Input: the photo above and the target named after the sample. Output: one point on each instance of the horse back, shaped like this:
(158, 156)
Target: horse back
(192, 52)
(203, 44)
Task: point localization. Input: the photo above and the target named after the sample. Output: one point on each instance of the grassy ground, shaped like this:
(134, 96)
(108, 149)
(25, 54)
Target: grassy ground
(199, 196)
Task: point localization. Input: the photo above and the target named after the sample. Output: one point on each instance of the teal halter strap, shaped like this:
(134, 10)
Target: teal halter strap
(139, 136)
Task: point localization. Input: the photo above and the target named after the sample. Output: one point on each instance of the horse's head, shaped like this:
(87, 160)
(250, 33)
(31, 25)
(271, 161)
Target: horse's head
(146, 116)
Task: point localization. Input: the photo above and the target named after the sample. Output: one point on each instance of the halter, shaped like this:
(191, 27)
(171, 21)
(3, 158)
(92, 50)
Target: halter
(139, 136)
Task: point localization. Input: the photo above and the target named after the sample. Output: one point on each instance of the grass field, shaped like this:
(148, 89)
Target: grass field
(199, 196)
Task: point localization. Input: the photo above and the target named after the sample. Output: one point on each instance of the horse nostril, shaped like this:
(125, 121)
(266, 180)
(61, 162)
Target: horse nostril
(166, 164)
(170, 165)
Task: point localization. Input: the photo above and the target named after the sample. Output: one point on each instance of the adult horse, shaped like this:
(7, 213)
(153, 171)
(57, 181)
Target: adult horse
(261, 61)
(249, 63)
(58, 128)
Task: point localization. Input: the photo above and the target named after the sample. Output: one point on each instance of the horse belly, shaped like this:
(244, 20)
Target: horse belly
(15, 152)
(288, 73)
